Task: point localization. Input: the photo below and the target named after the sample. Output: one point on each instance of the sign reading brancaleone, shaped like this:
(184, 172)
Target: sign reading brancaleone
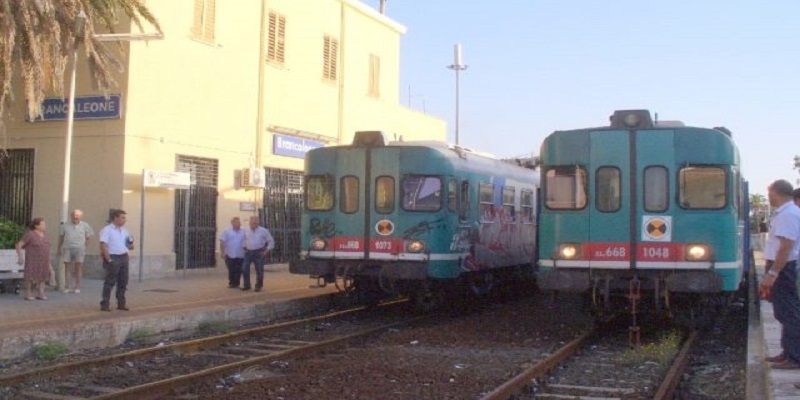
(86, 107)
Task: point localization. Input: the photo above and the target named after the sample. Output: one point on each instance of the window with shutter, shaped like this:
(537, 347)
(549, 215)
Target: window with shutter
(330, 53)
(276, 38)
(203, 25)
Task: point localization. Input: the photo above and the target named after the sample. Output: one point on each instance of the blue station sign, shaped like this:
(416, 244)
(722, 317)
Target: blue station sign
(86, 107)
(290, 146)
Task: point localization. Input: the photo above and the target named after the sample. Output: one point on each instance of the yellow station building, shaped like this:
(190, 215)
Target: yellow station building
(233, 85)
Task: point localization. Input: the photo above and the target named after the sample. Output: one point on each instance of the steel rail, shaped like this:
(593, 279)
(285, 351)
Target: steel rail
(187, 346)
(519, 382)
(675, 373)
(158, 388)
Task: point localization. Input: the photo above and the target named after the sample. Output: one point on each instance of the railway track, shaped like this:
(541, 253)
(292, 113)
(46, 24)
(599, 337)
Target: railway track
(572, 373)
(157, 371)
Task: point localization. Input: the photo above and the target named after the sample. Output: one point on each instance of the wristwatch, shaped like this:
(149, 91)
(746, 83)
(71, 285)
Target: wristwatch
(772, 272)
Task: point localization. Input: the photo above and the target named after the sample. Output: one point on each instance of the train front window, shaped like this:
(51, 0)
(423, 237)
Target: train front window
(348, 194)
(319, 192)
(565, 188)
(608, 189)
(702, 187)
(422, 193)
(656, 189)
(384, 194)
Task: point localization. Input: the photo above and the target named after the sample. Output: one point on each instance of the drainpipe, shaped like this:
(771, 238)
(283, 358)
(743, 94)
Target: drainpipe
(383, 6)
(260, 101)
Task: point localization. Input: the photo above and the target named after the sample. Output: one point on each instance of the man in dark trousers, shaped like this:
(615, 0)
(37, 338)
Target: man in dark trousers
(257, 244)
(115, 242)
(231, 247)
(780, 281)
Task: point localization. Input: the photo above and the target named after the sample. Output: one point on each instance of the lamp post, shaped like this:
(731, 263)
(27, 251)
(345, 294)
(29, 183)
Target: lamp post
(457, 67)
(80, 30)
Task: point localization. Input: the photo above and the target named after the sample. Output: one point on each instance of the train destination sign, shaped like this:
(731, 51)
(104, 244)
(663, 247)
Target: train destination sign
(86, 107)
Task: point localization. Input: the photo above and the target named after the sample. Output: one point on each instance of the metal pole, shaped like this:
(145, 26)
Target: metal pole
(141, 231)
(186, 231)
(458, 69)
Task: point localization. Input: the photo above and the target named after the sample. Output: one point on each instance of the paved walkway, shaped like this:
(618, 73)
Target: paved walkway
(161, 305)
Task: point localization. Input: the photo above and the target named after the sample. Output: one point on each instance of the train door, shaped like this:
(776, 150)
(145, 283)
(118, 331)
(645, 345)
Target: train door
(350, 205)
(380, 226)
(610, 228)
(653, 219)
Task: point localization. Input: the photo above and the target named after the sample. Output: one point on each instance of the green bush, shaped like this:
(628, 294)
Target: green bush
(10, 233)
(50, 350)
(141, 335)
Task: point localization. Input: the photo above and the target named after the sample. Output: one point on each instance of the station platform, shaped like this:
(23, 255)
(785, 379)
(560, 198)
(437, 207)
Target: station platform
(764, 340)
(178, 303)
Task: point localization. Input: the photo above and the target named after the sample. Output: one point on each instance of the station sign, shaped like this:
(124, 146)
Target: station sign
(86, 107)
(291, 146)
(167, 179)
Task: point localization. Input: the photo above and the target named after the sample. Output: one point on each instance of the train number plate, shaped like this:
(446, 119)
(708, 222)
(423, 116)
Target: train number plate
(658, 251)
(607, 251)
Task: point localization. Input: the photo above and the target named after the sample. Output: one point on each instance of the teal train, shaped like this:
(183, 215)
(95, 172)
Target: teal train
(415, 218)
(642, 208)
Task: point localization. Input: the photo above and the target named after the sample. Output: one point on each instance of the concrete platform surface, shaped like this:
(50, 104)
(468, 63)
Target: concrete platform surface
(178, 302)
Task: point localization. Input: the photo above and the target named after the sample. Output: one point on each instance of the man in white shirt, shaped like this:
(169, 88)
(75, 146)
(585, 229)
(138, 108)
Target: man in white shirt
(115, 242)
(231, 247)
(780, 280)
(257, 244)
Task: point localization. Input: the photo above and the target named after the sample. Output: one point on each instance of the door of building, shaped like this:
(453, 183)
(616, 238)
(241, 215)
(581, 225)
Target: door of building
(202, 212)
(283, 199)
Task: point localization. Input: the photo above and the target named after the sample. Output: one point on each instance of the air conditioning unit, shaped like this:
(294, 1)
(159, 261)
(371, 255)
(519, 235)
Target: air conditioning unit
(253, 178)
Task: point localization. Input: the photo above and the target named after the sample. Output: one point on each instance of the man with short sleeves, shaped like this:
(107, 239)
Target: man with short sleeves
(231, 247)
(257, 244)
(115, 242)
(72, 239)
(781, 277)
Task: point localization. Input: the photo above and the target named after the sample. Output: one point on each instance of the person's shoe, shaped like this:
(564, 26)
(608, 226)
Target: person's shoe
(258, 289)
(786, 364)
(77, 291)
(105, 308)
(246, 288)
(233, 286)
(123, 308)
(776, 359)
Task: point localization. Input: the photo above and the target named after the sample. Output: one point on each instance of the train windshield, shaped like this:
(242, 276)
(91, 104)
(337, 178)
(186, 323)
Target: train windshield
(422, 193)
(702, 187)
(565, 188)
(319, 192)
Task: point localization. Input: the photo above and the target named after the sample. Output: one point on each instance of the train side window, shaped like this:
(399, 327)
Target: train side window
(565, 188)
(348, 194)
(319, 192)
(509, 197)
(607, 183)
(452, 195)
(702, 187)
(486, 201)
(422, 193)
(384, 194)
(463, 205)
(526, 206)
(656, 189)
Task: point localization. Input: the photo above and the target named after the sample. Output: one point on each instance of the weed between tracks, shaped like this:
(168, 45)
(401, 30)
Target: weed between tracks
(50, 350)
(214, 327)
(141, 335)
(661, 351)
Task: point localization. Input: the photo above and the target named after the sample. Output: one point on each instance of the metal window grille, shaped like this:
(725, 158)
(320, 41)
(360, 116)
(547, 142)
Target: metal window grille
(16, 185)
(202, 212)
(283, 200)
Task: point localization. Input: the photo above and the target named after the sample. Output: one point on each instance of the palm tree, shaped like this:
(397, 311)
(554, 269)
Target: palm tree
(36, 39)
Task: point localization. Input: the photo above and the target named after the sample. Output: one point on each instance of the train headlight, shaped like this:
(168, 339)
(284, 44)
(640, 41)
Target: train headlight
(415, 246)
(568, 251)
(698, 252)
(631, 120)
(318, 244)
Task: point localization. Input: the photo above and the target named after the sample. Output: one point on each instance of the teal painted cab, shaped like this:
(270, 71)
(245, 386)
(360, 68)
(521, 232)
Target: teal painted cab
(401, 214)
(663, 204)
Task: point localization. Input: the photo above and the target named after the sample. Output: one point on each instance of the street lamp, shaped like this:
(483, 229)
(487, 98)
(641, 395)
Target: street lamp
(457, 67)
(80, 31)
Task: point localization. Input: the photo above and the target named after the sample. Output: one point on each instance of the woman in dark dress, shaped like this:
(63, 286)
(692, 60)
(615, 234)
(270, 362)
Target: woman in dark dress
(36, 258)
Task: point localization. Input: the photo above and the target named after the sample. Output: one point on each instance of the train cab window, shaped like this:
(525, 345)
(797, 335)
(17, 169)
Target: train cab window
(486, 201)
(463, 205)
(702, 187)
(422, 193)
(656, 189)
(384, 194)
(608, 189)
(565, 188)
(319, 192)
(348, 194)
(509, 211)
(452, 195)
(526, 206)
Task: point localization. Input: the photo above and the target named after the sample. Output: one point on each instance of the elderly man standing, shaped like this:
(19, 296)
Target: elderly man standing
(231, 247)
(257, 244)
(780, 279)
(73, 237)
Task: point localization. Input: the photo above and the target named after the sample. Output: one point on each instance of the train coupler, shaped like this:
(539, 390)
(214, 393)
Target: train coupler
(634, 295)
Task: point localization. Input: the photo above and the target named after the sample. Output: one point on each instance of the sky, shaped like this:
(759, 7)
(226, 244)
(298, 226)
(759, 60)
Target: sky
(539, 66)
